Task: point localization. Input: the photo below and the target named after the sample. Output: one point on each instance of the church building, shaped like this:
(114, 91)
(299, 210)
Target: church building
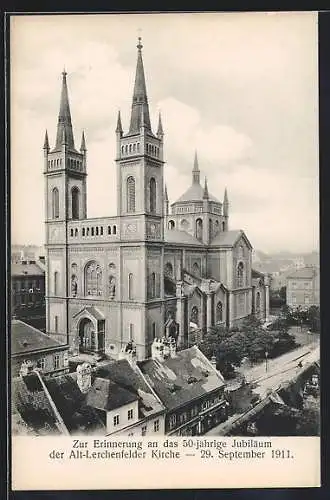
(153, 270)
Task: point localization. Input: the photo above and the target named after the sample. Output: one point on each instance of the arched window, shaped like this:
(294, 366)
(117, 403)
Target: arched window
(240, 275)
(109, 229)
(171, 224)
(138, 147)
(55, 203)
(93, 279)
(130, 194)
(130, 286)
(75, 202)
(152, 195)
(114, 229)
(153, 331)
(223, 226)
(194, 318)
(130, 148)
(169, 269)
(258, 303)
(199, 229)
(219, 310)
(195, 268)
(56, 277)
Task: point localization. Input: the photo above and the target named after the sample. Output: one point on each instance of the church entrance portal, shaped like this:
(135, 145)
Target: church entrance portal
(86, 336)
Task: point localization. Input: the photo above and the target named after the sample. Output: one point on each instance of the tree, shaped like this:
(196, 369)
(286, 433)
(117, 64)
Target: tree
(313, 318)
(282, 293)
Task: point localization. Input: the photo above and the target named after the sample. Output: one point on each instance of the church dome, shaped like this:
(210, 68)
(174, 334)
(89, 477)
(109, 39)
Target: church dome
(195, 193)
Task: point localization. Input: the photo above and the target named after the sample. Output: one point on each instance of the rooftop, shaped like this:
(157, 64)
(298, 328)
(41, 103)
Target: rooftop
(122, 373)
(228, 238)
(26, 338)
(20, 269)
(179, 380)
(107, 395)
(304, 273)
(176, 236)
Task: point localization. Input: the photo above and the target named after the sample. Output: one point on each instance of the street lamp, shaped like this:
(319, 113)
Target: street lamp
(266, 357)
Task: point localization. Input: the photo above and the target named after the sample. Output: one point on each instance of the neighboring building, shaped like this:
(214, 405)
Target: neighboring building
(260, 284)
(28, 292)
(174, 393)
(27, 252)
(108, 400)
(144, 272)
(189, 387)
(34, 349)
(303, 288)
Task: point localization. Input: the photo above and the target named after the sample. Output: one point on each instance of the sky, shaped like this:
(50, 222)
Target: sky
(240, 88)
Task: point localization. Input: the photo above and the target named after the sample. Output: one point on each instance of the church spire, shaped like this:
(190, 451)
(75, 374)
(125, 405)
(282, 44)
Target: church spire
(165, 193)
(64, 125)
(46, 142)
(83, 148)
(160, 131)
(119, 128)
(206, 191)
(140, 100)
(196, 172)
(225, 203)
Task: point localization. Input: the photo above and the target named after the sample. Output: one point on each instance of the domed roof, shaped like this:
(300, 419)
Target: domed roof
(195, 193)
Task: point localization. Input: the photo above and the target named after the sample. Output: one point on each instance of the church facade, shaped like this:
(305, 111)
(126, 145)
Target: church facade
(150, 271)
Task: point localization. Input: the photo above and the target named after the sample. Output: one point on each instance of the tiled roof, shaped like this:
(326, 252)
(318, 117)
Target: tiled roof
(122, 373)
(106, 395)
(228, 238)
(195, 193)
(26, 338)
(72, 405)
(176, 236)
(304, 272)
(184, 378)
(30, 402)
(26, 270)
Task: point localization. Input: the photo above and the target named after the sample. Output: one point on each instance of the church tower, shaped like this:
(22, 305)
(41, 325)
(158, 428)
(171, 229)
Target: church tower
(65, 199)
(140, 207)
(140, 158)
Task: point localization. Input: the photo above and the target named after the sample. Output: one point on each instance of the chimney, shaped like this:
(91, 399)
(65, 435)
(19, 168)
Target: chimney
(84, 377)
(26, 368)
(128, 352)
(172, 345)
(157, 349)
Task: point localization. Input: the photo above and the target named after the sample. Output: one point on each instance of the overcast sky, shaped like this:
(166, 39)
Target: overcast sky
(242, 89)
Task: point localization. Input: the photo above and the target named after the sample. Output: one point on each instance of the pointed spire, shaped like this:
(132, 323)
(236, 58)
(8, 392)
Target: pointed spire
(165, 193)
(64, 118)
(196, 172)
(160, 131)
(83, 148)
(140, 99)
(119, 128)
(206, 191)
(225, 204)
(46, 142)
